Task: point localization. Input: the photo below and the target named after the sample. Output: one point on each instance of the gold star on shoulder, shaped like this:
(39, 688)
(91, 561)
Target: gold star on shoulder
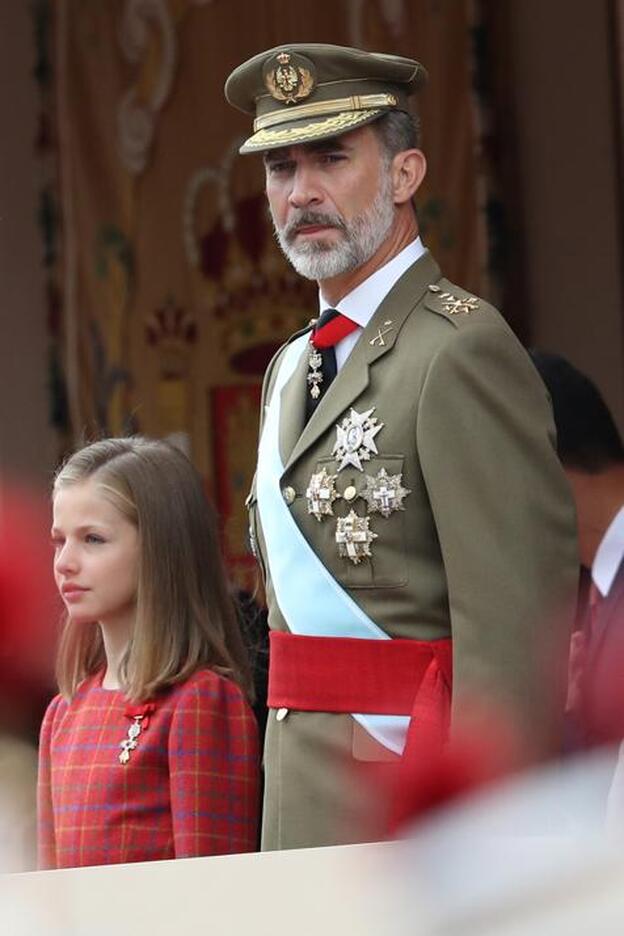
(451, 304)
(355, 439)
(384, 493)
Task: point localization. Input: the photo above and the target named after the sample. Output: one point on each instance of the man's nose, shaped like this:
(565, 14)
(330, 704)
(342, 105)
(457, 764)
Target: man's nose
(305, 190)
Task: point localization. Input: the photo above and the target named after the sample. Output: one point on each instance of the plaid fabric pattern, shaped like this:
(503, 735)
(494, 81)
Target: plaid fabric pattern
(190, 787)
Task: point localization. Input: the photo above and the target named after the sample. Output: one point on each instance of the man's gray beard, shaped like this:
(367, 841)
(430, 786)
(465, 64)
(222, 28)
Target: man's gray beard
(318, 260)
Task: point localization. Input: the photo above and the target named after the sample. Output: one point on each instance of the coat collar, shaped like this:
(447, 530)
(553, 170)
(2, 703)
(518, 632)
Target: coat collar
(608, 608)
(377, 339)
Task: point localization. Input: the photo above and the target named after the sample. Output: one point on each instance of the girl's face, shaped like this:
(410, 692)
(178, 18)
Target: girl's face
(96, 556)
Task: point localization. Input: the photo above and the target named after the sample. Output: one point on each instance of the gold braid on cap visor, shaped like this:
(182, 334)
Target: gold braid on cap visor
(333, 125)
(357, 102)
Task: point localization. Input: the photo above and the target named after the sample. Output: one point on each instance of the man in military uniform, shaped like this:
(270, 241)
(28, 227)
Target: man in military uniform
(409, 512)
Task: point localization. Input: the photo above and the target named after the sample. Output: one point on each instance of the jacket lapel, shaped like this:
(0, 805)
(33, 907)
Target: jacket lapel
(292, 408)
(375, 341)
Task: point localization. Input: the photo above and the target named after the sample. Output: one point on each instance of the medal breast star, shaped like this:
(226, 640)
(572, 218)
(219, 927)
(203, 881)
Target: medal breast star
(354, 537)
(355, 439)
(321, 494)
(384, 493)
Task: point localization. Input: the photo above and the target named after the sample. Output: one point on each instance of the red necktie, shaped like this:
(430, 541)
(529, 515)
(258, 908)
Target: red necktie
(331, 328)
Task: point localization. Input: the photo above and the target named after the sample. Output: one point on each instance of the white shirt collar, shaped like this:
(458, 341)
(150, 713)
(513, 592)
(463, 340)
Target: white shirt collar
(361, 304)
(609, 555)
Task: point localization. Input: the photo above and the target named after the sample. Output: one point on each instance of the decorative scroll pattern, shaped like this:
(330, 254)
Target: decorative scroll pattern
(138, 111)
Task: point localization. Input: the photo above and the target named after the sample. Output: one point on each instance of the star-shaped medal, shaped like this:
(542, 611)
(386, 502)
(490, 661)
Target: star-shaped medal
(321, 494)
(354, 537)
(384, 493)
(355, 439)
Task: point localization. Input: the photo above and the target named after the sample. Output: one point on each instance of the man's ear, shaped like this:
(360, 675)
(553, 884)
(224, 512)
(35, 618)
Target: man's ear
(409, 168)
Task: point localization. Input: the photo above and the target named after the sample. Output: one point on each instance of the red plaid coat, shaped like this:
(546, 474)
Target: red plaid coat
(190, 787)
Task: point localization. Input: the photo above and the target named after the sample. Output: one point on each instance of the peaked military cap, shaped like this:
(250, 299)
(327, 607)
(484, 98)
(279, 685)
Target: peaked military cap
(304, 92)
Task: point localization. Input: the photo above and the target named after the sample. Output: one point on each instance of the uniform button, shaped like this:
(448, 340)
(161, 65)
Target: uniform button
(349, 493)
(281, 714)
(289, 494)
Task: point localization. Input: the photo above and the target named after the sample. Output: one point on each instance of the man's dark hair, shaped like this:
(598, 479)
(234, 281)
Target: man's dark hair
(397, 131)
(587, 437)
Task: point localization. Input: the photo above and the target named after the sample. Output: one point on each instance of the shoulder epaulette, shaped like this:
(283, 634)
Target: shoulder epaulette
(452, 302)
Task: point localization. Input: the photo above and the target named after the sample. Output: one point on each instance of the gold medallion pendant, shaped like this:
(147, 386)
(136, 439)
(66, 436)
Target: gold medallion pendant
(354, 537)
(384, 493)
(321, 494)
(355, 439)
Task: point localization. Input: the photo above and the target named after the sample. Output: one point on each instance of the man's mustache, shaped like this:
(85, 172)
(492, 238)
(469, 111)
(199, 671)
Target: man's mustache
(308, 219)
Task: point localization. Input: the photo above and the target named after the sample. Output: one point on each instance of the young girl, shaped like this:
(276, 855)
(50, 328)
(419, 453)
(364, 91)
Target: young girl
(150, 751)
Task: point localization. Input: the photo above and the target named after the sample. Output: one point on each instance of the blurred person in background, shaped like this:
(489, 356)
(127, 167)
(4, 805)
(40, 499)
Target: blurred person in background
(407, 494)
(592, 453)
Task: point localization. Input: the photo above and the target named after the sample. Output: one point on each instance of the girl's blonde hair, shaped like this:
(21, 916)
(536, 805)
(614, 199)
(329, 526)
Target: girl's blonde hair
(185, 617)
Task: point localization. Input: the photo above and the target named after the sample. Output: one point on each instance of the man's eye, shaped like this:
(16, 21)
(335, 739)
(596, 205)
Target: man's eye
(332, 157)
(280, 166)
(93, 538)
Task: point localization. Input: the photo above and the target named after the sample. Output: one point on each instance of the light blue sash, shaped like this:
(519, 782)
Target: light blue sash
(309, 597)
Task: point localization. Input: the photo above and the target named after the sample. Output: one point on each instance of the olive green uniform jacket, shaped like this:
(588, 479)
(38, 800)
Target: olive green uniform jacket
(484, 551)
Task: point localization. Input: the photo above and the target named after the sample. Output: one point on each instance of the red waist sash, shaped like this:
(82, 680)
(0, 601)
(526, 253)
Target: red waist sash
(346, 674)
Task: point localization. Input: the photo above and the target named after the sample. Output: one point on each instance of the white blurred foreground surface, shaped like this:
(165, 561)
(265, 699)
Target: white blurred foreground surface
(537, 857)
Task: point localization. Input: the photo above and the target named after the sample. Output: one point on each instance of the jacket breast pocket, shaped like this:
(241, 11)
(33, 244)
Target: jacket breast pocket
(378, 499)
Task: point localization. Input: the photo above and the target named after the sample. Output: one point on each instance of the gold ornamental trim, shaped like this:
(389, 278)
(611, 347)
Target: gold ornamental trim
(358, 102)
(305, 132)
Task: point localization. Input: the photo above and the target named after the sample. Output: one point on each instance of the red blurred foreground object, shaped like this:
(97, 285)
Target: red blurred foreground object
(600, 702)
(29, 605)
(484, 750)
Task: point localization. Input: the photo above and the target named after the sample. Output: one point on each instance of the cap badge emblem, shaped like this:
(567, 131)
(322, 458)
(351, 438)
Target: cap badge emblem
(289, 78)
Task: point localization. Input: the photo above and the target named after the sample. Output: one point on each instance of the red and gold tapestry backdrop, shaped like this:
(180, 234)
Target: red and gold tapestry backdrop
(174, 294)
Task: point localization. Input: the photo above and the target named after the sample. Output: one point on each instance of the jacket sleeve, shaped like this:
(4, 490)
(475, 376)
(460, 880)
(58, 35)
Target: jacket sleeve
(46, 840)
(213, 770)
(506, 526)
